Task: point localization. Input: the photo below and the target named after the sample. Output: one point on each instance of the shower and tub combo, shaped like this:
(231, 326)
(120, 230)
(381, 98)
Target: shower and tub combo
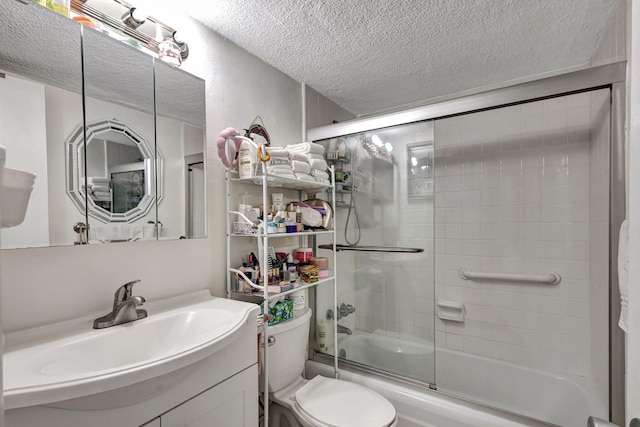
(477, 235)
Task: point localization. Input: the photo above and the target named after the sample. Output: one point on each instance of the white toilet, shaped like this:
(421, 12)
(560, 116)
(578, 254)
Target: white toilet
(321, 401)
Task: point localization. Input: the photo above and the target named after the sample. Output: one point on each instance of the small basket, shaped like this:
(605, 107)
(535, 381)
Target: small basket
(241, 227)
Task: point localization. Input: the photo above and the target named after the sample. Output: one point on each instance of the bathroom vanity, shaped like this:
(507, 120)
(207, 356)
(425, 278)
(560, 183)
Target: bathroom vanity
(192, 361)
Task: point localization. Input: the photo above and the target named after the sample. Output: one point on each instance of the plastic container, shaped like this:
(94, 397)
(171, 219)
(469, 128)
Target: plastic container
(304, 254)
(299, 299)
(15, 192)
(320, 261)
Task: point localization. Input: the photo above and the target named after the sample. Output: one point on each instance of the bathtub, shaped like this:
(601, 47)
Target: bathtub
(562, 400)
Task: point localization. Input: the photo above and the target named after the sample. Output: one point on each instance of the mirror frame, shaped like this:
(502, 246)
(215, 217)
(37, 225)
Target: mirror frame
(75, 147)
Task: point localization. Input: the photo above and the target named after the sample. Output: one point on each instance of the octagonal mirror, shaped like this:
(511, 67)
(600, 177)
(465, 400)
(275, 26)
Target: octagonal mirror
(113, 177)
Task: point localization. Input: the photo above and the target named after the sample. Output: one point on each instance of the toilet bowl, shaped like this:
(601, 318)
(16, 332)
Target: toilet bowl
(320, 401)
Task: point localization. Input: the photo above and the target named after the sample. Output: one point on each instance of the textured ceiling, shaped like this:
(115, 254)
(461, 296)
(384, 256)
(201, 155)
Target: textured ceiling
(370, 55)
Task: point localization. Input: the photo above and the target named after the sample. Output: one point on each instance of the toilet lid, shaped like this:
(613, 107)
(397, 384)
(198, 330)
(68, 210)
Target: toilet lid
(338, 403)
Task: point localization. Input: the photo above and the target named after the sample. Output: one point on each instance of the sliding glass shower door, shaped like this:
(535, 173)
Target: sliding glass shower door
(522, 202)
(477, 255)
(385, 220)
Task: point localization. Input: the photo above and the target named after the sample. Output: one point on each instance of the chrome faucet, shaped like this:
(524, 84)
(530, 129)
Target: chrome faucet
(124, 308)
(344, 330)
(343, 311)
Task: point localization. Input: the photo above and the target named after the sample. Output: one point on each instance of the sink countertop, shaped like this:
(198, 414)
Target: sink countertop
(70, 359)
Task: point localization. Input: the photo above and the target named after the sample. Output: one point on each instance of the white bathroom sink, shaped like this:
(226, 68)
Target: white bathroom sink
(71, 359)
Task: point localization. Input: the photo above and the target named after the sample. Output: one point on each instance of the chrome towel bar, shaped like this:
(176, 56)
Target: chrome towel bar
(372, 248)
(549, 278)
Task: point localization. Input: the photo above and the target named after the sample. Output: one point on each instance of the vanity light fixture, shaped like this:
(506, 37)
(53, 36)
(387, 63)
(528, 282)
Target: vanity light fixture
(184, 48)
(134, 17)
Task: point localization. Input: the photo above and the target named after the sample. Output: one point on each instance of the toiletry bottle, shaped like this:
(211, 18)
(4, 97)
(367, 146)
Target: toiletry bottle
(291, 214)
(322, 336)
(298, 215)
(246, 160)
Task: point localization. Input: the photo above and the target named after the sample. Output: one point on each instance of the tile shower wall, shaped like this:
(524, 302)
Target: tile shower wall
(513, 195)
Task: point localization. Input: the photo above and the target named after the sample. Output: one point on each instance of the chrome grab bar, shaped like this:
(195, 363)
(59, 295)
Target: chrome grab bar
(548, 279)
(372, 248)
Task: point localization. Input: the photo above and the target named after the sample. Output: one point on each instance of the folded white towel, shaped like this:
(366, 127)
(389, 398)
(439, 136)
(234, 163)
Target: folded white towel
(280, 168)
(315, 156)
(319, 164)
(108, 233)
(322, 181)
(305, 177)
(101, 193)
(302, 167)
(623, 274)
(101, 198)
(276, 161)
(294, 155)
(282, 172)
(306, 147)
(99, 188)
(278, 151)
(95, 180)
(320, 174)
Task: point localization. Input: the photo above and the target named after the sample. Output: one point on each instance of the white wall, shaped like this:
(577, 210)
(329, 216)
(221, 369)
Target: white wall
(612, 46)
(46, 285)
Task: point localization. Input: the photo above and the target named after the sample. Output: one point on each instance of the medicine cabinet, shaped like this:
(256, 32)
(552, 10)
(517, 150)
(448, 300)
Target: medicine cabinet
(115, 136)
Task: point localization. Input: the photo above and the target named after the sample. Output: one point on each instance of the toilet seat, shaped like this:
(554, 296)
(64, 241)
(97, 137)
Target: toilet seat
(334, 403)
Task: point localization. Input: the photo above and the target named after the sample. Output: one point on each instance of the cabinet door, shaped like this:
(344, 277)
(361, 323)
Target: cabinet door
(232, 403)
(153, 423)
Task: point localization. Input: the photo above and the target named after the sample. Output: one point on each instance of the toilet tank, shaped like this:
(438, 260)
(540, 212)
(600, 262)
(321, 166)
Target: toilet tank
(288, 353)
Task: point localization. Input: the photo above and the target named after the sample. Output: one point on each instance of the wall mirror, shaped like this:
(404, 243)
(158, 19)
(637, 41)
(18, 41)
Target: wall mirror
(120, 139)
(45, 118)
(180, 118)
(40, 105)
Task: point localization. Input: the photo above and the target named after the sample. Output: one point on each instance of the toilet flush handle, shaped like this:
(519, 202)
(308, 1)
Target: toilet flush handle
(270, 341)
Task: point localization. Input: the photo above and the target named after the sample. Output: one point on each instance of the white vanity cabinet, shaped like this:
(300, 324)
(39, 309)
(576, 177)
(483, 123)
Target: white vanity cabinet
(230, 404)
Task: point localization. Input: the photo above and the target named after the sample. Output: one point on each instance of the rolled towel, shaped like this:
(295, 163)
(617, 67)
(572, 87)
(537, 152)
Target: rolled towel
(319, 164)
(302, 167)
(306, 147)
(320, 174)
(278, 151)
(293, 155)
(305, 177)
